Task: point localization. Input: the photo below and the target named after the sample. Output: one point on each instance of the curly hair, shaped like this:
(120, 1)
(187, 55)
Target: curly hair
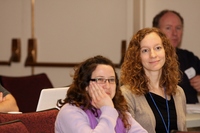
(132, 72)
(157, 18)
(78, 96)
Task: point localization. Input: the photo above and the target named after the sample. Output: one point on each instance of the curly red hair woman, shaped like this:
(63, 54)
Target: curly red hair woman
(150, 75)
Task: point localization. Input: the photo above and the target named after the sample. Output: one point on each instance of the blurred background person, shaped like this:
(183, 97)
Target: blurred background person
(172, 24)
(7, 101)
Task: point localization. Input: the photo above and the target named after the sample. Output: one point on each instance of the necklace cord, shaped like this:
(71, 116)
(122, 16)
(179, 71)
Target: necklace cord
(168, 115)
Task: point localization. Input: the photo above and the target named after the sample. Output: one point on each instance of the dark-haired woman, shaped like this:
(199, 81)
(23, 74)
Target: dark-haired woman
(94, 102)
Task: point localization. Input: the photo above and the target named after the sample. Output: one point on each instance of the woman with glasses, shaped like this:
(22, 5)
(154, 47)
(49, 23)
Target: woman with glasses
(94, 102)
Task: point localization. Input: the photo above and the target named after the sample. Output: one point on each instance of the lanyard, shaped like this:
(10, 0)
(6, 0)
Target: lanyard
(168, 115)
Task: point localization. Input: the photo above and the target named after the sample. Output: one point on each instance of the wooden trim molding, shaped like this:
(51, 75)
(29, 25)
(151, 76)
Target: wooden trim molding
(31, 58)
(6, 63)
(15, 52)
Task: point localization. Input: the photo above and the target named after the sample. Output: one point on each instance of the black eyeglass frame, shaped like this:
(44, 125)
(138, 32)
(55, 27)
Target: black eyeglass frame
(98, 80)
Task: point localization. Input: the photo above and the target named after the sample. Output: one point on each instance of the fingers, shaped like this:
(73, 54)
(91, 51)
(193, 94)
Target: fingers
(96, 92)
(195, 79)
(195, 82)
(98, 96)
(1, 96)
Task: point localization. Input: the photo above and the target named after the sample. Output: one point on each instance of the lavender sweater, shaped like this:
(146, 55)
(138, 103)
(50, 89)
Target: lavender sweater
(72, 119)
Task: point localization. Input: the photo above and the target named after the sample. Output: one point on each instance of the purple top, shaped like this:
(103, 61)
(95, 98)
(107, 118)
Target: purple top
(119, 127)
(72, 119)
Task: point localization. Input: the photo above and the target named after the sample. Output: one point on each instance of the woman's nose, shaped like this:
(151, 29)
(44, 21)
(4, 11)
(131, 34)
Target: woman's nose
(106, 84)
(153, 53)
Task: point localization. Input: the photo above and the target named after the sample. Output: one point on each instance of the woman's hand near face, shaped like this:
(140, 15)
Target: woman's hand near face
(1, 97)
(98, 95)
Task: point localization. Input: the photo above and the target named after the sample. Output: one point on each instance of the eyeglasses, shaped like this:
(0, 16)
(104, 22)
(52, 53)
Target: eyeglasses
(103, 81)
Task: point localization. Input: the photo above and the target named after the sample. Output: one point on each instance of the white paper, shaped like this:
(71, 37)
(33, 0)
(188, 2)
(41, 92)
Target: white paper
(193, 108)
(190, 72)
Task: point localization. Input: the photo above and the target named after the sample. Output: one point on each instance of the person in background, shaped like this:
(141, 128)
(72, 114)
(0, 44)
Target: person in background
(7, 101)
(150, 75)
(94, 102)
(171, 23)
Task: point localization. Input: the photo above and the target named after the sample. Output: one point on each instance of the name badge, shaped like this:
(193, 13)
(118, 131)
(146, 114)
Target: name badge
(190, 72)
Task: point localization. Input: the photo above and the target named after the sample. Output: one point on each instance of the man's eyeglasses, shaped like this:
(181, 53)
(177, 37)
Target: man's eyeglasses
(103, 81)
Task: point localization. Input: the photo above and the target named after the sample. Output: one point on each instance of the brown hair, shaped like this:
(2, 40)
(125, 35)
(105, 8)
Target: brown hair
(78, 96)
(132, 72)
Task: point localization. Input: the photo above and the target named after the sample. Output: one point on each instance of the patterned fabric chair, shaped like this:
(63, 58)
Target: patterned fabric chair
(15, 126)
(35, 122)
(26, 89)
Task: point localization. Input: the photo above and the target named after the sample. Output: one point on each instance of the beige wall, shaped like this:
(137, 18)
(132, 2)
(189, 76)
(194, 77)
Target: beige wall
(66, 30)
(71, 31)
